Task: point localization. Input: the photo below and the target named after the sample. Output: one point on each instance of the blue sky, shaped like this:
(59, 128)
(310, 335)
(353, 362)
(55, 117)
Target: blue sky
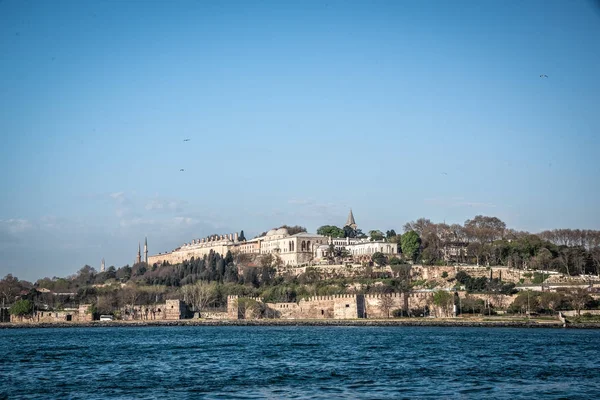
(296, 112)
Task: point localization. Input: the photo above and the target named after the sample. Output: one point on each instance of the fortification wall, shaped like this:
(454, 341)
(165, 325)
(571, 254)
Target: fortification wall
(48, 317)
(215, 315)
(284, 310)
(175, 309)
(500, 301)
(374, 305)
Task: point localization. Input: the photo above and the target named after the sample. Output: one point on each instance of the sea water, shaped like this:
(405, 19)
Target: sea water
(299, 362)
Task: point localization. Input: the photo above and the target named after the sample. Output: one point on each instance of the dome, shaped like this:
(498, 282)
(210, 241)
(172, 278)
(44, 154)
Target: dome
(271, 232)
(282, 231)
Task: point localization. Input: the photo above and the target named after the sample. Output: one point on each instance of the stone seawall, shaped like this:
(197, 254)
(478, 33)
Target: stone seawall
(426, 322)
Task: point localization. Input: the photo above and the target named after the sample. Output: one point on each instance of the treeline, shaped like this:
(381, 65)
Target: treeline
(487, 241)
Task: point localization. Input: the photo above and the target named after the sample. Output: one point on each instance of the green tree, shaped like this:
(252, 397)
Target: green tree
(395, 260)
(292, 230)
(390, 234)
(379, 258)
(331, 230)
(22, 308)
(444, 300)
(376, 235)
(349, 232)
(410, 244)
(241, 236)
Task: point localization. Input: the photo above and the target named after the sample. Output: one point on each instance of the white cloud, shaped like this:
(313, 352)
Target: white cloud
(170, 205)
(118, 196)
(16, 225)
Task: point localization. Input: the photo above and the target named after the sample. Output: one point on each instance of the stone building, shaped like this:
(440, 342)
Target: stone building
(293, 250)
(79, 314)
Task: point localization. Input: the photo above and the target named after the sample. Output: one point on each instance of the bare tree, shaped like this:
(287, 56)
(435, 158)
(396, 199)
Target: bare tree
(579, 298)
(385, 304)
(419, 226)
(199, 295)
(9, 288)
(129, 296)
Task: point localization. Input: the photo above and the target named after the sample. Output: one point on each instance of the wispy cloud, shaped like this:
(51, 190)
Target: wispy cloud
(15, 225)
(168, 205)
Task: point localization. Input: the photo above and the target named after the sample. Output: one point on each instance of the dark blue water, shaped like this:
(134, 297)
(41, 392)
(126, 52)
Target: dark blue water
(299, 362)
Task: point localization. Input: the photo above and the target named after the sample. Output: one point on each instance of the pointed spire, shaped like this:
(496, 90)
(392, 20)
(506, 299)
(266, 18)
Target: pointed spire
(146, 241)
(350, 221)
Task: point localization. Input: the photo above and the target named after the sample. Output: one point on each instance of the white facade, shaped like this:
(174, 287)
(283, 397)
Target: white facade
(293, 250)
(369, 248)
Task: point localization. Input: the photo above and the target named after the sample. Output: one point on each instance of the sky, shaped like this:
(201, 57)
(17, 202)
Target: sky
(296, 112)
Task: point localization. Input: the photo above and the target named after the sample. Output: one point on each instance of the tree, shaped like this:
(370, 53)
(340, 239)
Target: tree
(85, 275)
(395, 260)
(379, 258)
(331, 230)
(241, 236)
(385, 304)
(410, 244)
(22, 308)
(358, 233)
(9, 288)
(376, 235)
(579, 298)
(199, 295)
(128, 296)
(444, 300)
(292, 230)
(419, 226)
(349, 232)
(390, 234)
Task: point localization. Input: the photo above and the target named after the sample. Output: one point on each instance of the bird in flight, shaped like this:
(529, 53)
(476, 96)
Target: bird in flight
(444, 173)
(181, 170)
(543, 76)
(186, 140)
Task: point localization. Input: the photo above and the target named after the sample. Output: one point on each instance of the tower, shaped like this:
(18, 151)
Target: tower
(102, 268)
(350, 221)
(138, 259)
(146, 250)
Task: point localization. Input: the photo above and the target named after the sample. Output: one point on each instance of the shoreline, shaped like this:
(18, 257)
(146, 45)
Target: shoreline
(283, 323)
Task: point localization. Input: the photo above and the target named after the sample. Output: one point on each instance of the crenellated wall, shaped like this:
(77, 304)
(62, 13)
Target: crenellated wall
(342, 306)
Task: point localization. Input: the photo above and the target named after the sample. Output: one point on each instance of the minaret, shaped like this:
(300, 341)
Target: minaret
(102, 268)
(146, 250)
(138, 259)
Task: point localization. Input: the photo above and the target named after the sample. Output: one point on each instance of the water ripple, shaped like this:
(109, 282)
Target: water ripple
(299, 362)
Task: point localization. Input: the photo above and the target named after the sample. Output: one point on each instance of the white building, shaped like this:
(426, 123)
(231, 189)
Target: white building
(294, 250)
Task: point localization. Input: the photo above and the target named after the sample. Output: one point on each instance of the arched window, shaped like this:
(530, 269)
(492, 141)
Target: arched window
(308, 245)
(303, 245)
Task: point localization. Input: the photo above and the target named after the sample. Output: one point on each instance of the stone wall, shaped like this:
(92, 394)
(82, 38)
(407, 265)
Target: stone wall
(573, 313)
(343, 306)
(435, 272)
(68, 315)
(175, 309)
(215, 315)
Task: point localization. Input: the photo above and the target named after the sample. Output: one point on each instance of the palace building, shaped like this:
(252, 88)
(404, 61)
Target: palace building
(294, 250)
